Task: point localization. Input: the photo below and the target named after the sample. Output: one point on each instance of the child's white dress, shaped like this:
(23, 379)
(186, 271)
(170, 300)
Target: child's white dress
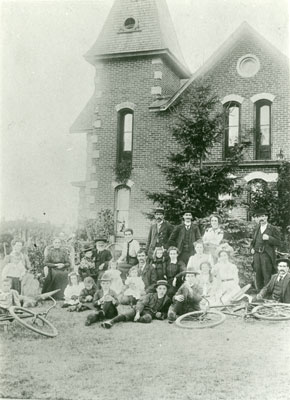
(116, 283)
(227, 278)
(71, 291)
(136, 287)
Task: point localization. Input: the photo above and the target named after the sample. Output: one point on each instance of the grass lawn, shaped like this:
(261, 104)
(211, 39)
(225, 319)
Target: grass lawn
(236, 360)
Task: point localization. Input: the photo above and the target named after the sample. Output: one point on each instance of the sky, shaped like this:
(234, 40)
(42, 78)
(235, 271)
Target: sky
(45, 83)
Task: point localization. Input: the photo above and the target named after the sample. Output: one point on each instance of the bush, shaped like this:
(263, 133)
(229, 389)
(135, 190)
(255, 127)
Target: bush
(102, 226)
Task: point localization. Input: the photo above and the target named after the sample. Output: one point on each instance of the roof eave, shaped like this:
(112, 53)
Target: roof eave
(182, 70)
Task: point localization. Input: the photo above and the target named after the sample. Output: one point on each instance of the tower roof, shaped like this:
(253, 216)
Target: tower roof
(137, 27)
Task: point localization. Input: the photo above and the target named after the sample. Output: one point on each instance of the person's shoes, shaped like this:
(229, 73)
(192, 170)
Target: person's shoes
(107, 324)
(88, 322)
(170, 321)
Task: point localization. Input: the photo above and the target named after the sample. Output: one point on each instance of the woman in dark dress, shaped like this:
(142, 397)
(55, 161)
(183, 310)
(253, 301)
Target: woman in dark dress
(56, 269)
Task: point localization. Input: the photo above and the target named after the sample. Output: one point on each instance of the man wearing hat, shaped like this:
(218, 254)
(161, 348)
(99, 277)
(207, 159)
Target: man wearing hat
(159, 233)
(105, 301)
(187, 297)
(183, 237)
(152, 306)
(101, 257)
(278, 288)
(266, 239)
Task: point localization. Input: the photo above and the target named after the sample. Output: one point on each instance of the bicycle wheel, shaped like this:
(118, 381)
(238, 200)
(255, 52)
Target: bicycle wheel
(200, 319)
(272, 312)
(33, 321)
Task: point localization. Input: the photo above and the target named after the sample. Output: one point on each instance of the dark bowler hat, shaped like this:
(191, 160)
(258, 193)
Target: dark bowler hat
(161, 282)
(87, 248)
(101, 239)
(286, 260)
(187, 211)
(159, 210)
(260, 211)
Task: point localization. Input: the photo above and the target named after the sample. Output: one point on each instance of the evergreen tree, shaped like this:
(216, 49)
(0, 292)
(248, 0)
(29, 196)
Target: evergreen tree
(197, 127)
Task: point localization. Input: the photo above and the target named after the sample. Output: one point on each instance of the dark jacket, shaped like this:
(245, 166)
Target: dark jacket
(57, 256)
(160, 267)
(149, 303)
(149, 276)
(99, 294)
(269, 245)
(158, 239)
(192, 296)
(85, 292)
(177, 237)
(100, 257)
(268, 289)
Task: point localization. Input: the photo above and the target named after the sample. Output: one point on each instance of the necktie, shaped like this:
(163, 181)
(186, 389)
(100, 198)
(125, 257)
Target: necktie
(128, 257)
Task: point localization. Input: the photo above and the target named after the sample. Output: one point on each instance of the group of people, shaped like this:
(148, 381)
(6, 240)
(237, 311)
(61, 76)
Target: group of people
(172, 275)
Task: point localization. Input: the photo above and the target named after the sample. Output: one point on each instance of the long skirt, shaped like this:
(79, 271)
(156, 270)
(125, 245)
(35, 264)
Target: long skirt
(56, 279)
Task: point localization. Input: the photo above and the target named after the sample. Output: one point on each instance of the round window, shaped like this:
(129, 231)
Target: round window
(248, 66)
(130, 23)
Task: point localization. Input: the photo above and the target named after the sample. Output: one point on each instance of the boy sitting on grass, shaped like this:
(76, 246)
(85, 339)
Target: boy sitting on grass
(87, 295)
(152, 306)
(8, 297)
(105, 301)
(187, 297)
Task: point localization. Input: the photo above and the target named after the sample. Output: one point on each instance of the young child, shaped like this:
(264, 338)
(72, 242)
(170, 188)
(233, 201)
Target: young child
(187, 298)
(115, 274)
(15, 265)
(135, 287)
(199, 256)
(72, 292)
(159, 262)
(87, 264)
(227, 276)
(8, 297)
(105, 302)
(87, 295)
(152, 306)
(173, 269)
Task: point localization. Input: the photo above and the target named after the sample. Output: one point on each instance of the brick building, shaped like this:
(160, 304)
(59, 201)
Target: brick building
(140, 74)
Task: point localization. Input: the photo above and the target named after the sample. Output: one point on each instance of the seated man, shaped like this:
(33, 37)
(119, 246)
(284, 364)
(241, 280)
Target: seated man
(278, 288)
(105, 301)
(187, 297)
(152, 306)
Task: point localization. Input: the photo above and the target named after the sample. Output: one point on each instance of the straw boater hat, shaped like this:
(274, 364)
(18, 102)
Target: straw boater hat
(101, 239)
(106, 277)
(190, 271)
(161, 282)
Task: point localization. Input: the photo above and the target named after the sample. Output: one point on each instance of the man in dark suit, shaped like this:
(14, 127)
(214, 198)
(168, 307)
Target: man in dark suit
(266, 239)
(159, 233)
(146, 271)
(279, 286)
(183, 237)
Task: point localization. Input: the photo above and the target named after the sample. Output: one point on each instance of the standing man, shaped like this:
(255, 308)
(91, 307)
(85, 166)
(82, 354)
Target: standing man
(183, 237)
(266, 239)
(159, 233)
(128, 258)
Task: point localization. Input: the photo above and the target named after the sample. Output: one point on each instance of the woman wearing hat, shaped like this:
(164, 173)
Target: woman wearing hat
(152, 306)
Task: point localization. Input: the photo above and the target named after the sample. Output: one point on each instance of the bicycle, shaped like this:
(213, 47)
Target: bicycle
(34, 321)
(212, 316)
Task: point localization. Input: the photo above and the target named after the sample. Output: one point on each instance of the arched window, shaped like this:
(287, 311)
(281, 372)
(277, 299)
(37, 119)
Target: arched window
(263, 130)
(232, 126)
(125, 135)
(122, 203)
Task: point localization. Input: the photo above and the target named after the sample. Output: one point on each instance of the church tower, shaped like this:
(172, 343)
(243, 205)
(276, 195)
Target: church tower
(138, 63)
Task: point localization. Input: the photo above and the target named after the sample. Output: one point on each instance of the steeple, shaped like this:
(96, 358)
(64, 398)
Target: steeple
(137, 28)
